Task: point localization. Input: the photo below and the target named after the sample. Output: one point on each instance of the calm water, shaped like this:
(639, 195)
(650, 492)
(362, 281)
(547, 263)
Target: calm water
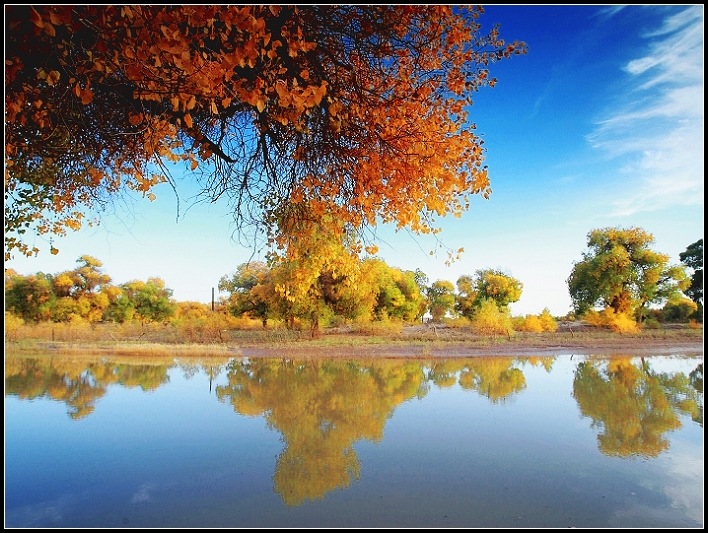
(498, 442)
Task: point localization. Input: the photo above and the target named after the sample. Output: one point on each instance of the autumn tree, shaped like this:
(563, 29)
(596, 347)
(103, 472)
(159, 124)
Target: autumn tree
(84, 292)
(360, 111)
(620, 270)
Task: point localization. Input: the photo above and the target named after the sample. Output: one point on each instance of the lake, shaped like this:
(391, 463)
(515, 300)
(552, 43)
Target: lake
(548, 441)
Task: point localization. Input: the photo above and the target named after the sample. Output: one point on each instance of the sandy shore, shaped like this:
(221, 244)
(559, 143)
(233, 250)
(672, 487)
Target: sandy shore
(419, 341)
(465, 350)
(425, 342)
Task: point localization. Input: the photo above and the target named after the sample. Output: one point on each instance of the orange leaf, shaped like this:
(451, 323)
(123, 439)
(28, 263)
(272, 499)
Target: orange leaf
(36, 18)
(86, 96)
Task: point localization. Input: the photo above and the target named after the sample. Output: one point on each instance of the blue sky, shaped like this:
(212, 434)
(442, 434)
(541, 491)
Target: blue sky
(599, 125)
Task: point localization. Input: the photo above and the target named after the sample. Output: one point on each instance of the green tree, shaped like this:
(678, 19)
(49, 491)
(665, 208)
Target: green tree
(466, 297)
(693, 259)
(497, 286)
(421, 279)
(679, 309)
(620, 271)
(150, 299)
(243, 299)
(395, 292)
(441, 299)
(29, 297)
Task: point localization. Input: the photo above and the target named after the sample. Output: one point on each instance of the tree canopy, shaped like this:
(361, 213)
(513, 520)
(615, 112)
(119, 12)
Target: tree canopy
(692, 257)
(620, 270)
(290, 112)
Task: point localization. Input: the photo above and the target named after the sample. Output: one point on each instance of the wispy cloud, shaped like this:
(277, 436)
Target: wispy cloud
(144, 493)
(658, 131)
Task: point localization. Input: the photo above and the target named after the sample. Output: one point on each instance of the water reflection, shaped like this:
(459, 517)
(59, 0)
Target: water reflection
(322, 407)
(77, 383)
(633, 406)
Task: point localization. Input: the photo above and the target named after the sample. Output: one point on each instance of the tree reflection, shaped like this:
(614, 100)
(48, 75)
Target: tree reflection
(321, 408)
(495, 378)
(77, 383)
(633, 406)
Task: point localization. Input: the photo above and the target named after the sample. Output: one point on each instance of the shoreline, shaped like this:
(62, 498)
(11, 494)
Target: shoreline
(353, 346)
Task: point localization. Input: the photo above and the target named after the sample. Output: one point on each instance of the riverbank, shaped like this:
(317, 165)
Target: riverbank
(412, 341)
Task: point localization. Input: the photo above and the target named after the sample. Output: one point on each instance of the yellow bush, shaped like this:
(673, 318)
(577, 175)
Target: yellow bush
(204, 329)
(618, 322)
(530, 324)
(458, 322)
(378, 327)
(593, 318)
(13, 324)
(489, 320)
(548, 323)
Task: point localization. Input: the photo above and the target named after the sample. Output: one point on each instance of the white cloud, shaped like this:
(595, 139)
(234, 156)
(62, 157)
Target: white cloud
(659, 132)
(143, 494)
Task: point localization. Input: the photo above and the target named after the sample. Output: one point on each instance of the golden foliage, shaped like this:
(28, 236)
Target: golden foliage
(490, 320)
(360, 112)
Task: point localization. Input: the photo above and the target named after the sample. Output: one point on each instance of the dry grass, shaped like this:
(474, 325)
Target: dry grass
(154, 340)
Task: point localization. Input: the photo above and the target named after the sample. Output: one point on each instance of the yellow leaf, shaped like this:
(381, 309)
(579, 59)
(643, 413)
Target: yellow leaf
(151, 197)
(260, 105)
(188, 120)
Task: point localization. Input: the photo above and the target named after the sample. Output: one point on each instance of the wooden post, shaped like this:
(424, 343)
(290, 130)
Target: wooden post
(212, 298)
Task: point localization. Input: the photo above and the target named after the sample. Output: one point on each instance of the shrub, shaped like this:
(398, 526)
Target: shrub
(13, 323)
(489, 320)
(651, 323)
(617, 322)
(679, 310)
(530, 323)
(547, 321)
(378, 327)
(620, 322)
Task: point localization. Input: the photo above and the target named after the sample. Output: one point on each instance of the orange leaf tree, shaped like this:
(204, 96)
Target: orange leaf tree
(359, 112)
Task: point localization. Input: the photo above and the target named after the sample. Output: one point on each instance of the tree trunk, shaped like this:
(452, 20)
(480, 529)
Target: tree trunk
(315, 326)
